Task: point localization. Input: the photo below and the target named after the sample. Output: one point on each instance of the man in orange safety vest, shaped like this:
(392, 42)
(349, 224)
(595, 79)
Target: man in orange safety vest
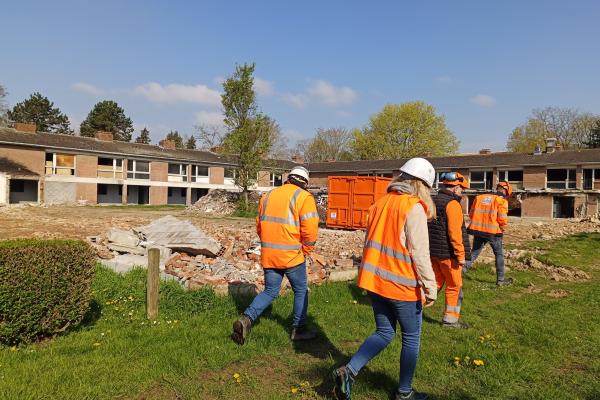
(287, 224)
(489, 218)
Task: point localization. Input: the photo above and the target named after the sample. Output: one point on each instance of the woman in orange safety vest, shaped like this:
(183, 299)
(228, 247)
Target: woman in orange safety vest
(397, 274)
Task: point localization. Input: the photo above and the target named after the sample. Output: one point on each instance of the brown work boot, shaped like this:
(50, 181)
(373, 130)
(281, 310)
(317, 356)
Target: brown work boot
(241, 329)
(303, 333)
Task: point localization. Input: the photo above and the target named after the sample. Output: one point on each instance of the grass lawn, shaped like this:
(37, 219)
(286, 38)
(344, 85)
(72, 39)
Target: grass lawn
(540, 344)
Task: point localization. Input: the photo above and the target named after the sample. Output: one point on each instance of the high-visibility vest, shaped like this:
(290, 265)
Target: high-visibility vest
(387, 267)
(287, 224)
(489, 214)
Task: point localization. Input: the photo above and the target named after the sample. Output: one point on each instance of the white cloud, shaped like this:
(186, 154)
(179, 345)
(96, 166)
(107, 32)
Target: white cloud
(263, 87)
(209, 118)
(295, 100)
(483, 100)
(443, 79)
(177, 93)
(86, 88)
(330, 95)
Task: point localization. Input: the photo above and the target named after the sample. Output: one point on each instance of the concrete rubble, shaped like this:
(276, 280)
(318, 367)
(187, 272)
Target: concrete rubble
(227, 259)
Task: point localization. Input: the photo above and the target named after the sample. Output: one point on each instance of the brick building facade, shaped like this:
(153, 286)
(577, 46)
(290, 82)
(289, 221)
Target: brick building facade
(53, 169)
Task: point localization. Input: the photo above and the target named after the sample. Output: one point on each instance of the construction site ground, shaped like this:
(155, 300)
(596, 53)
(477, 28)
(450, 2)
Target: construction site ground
(536, 339)
(75, 222)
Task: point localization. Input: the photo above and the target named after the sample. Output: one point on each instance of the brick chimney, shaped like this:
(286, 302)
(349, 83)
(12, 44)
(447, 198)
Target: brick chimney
(167, 144)
(25, 127)
(485, 151)
(550, 145)
(104, 136)
(298, 159)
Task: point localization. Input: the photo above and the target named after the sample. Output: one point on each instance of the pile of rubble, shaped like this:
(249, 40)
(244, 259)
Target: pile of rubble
(221, 202)
(227, 260)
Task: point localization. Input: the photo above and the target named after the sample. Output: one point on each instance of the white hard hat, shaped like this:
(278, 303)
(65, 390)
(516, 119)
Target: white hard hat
(300, 172)
(420, 168)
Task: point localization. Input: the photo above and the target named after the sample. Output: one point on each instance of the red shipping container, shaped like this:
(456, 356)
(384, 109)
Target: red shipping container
(349, 199)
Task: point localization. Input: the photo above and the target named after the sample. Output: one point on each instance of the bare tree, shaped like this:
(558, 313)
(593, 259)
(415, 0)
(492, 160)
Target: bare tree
(571, 128)
(3, 106)
(331, 144)
(210, 136)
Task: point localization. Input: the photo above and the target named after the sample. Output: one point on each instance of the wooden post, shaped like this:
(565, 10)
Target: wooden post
(152, 283)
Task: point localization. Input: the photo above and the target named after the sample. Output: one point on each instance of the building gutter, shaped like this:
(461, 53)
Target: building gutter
(127, 155)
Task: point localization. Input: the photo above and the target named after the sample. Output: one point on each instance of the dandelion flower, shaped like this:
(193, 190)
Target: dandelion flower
(236, 376)
(354, 302)
(294, 390)
(478, 363)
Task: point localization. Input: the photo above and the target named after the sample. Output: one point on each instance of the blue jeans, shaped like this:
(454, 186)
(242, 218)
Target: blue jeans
(273, 277)
(387, 313)
(496, 243)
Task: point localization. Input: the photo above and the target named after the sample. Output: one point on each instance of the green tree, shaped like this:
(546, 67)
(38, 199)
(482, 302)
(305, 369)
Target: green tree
(249, 135)
(3, 106)
(330, 144)
(177, 138)
(190, 143)
(107, 116)
(41, 111)
(594, 138)
(144, 137)
(525, 138)
(402, 131)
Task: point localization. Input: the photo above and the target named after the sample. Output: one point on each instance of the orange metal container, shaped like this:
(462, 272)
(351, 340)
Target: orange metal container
(349, 199)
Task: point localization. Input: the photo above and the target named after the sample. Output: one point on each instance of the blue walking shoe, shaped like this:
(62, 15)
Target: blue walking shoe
(343, 383)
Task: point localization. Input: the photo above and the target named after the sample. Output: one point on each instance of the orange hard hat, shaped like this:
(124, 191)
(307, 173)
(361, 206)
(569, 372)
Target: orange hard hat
(454, 179)
(507, 186)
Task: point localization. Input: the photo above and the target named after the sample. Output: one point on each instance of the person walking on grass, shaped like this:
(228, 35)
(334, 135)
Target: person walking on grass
(489, 218)
(396, 272)
(449, 245)
(287, 224)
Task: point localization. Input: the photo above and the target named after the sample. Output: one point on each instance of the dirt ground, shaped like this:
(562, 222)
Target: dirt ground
(73, 222)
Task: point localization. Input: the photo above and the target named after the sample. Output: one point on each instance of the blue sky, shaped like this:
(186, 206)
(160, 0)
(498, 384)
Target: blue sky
(484, 65)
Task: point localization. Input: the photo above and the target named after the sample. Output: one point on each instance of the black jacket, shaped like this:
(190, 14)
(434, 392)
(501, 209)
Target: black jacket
(439, 241)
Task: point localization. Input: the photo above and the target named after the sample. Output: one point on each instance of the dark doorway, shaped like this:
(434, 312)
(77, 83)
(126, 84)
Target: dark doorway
(23, 191)
(563, 207)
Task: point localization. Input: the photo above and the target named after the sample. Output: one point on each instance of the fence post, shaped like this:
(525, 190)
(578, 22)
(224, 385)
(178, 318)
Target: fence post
(152, 283)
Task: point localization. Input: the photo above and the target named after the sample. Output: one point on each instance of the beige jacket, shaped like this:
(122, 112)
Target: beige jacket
(416, 239)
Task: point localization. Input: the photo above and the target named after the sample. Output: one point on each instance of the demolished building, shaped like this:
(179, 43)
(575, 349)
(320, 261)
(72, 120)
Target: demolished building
(553, 183)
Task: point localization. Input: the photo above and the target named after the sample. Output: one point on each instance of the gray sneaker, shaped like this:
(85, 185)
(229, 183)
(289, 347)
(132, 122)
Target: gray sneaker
(303, 333)
(456, 325)
(505, 282)
(413, 395)
(241, 329)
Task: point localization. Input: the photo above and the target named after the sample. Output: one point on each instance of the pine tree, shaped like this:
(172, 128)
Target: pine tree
(109, 117)
(144, 137)
(39, 110)
(191, 143)
(177, 138)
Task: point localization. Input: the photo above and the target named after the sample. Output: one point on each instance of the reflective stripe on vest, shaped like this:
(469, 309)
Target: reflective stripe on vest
(290, 220)
(484, 225)
(397, 254)
(278, 246)
(309, 215)
(389, 276)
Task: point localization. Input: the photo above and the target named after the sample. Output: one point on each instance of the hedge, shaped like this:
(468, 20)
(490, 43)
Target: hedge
(45, 287)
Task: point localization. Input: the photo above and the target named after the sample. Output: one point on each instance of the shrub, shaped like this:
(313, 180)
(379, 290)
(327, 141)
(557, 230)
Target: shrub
(45, 287)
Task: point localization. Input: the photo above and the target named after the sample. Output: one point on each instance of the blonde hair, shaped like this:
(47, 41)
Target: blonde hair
(420, 190)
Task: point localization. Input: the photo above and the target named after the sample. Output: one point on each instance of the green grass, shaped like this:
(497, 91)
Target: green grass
(539, 347)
